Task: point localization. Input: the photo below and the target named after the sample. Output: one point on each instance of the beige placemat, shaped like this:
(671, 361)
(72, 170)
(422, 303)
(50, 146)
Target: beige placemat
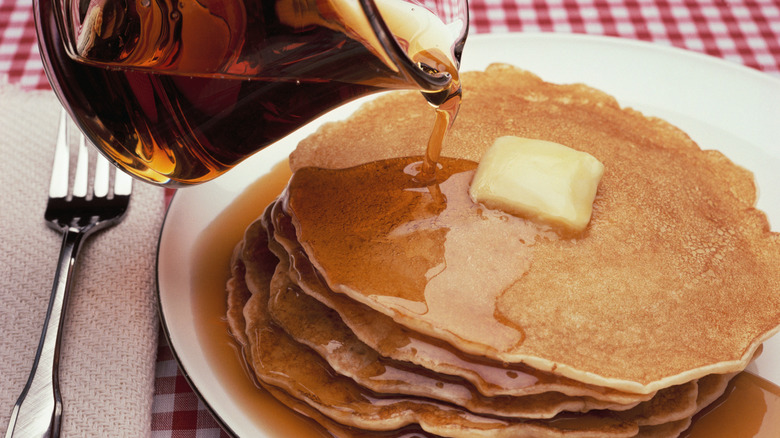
(110, 341)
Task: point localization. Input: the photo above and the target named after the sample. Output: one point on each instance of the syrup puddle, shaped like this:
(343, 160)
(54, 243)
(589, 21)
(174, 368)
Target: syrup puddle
(211, 267)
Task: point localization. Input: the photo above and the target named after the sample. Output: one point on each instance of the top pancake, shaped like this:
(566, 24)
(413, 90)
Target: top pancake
(676, 277)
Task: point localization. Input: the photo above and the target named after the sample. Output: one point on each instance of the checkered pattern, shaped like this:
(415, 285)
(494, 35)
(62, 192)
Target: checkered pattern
(743, 31)
(20, 61)
(178, 413)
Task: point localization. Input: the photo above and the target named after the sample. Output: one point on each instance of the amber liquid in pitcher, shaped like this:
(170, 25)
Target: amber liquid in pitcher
(187, 118)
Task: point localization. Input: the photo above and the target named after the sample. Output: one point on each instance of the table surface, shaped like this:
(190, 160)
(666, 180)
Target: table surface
(742, 31)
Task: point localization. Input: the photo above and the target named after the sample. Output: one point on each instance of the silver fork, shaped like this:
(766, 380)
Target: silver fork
(38, 411)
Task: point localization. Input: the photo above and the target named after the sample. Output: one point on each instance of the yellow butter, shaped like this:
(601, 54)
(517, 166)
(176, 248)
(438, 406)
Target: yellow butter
(539, 180)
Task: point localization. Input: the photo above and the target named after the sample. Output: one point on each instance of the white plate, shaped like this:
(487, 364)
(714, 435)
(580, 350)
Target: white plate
(721, 105)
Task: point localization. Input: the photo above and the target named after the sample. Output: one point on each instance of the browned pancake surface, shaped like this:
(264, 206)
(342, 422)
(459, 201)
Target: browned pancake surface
(311, 388)
(313, 324)
(394, 341)
(280, 362)
(676, 277)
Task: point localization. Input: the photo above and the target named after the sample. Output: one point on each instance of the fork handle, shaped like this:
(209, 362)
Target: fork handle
(38, 411)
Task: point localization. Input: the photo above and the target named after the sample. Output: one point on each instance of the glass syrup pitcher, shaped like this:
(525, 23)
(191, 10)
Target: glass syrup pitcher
(176, 92)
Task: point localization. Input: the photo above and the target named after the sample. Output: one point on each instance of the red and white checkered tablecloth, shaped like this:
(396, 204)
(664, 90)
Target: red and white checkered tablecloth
(742, 31)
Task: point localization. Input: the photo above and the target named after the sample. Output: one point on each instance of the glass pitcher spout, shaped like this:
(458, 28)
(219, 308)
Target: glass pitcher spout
(427, 77)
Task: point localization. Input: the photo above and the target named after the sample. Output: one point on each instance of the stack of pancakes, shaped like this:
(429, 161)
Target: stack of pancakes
(381, 305)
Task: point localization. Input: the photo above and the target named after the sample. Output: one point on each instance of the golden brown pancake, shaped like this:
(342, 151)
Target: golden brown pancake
(280, 362)
(296, 368)
(312, 324)
(392, 340)
(339, 430)
(666, 430)
(665, 415)
(373, 302)
(710, 388)
(676, 277)
(667, 406)
(237, 296)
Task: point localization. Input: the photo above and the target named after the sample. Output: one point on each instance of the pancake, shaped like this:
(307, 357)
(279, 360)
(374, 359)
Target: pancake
(676, 277)
(280, 362)
(710, 388)
(392, 340)
(237, 296)
(297, 370)
(377, 303)
(312, 324)
(667, 430)
(339, 430)
(669, 405)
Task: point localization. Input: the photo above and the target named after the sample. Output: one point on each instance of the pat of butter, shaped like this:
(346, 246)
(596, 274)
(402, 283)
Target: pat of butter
(539, 180)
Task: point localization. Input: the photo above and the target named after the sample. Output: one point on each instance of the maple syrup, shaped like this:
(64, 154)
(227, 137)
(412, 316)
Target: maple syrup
(211, 268)
(442, 234)
(750, 408)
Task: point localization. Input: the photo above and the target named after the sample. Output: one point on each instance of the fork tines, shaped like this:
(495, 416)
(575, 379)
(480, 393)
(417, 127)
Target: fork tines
(101, 186)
